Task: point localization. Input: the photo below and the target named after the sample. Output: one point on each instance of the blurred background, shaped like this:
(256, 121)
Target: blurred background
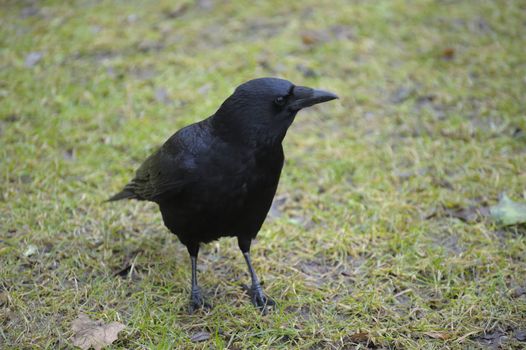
(378, 235)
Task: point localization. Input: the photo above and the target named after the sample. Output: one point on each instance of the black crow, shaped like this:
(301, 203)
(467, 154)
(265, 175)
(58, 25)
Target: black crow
(218, 177)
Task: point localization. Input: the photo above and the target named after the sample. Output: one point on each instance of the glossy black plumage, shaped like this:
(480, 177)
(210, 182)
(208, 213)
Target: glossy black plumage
(218, 177)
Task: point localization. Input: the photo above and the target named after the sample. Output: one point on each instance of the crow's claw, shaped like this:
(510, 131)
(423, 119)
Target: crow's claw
(197, 302)
(260, 300)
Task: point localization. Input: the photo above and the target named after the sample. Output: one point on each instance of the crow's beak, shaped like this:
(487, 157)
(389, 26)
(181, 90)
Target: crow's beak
(306, 97)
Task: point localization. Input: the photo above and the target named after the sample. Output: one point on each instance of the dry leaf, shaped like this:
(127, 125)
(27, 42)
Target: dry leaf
(448, 53)
(90, 333)
(200, 336)
(308, 38)
(311, 37)
(438, 335)
(359, 337)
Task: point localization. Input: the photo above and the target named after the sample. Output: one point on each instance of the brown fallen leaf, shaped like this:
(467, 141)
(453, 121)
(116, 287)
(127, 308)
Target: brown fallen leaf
(438, 335)
(448, 53)
(96, 334)
(308, 38)
(359, 337)
(312, 37)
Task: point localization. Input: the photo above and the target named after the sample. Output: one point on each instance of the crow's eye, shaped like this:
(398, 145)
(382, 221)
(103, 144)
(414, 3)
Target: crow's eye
(280, 101)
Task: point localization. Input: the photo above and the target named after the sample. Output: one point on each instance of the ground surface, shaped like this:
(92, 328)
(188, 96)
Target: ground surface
(367, 246)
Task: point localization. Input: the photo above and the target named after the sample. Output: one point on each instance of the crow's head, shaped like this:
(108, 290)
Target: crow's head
(261, 110)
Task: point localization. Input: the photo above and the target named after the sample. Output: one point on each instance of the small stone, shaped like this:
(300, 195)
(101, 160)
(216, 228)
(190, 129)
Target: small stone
(33, 58)
(520, 335)
(200, 336)
(161, 96)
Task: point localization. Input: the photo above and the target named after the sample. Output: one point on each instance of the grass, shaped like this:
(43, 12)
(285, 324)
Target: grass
(361, 252)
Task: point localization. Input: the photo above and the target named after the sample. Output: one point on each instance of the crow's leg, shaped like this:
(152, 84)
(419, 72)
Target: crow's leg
(196, 298)
(258, 298)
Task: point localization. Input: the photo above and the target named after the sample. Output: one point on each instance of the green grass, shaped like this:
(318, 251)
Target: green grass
(432, 116)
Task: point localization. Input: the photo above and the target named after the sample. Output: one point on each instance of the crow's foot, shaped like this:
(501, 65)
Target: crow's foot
(260, 300)
(197, 301)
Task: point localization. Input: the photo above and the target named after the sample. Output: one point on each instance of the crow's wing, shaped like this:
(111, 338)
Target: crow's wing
(163, 173)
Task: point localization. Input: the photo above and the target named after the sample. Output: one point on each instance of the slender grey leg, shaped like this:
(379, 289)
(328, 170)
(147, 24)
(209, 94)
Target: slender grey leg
(258, 298)
(196, 297)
